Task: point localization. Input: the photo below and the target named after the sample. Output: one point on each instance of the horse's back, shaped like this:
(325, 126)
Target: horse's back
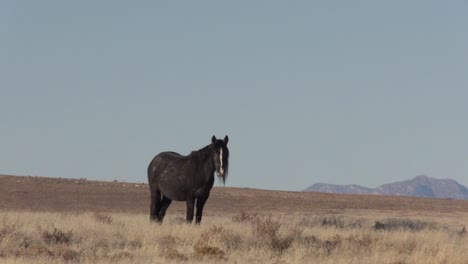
(169, 154)
(164, 159)
(166, 174)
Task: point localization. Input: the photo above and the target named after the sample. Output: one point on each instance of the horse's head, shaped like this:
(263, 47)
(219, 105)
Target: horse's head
(221, 156)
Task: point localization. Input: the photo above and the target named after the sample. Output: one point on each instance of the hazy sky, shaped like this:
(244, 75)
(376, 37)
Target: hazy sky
(363, 92)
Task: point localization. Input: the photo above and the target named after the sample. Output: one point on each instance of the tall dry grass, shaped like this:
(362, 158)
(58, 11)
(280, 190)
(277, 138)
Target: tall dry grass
(27, 237)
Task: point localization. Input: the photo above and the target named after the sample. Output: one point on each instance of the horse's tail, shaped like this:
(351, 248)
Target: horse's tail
(155, 195)
(152, 172)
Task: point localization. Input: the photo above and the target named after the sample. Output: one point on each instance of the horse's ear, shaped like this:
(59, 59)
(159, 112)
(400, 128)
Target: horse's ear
(213, 139)
(226, 139)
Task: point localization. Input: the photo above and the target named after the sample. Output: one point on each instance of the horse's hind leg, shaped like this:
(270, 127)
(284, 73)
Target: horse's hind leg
(155, 205)
(165, 202)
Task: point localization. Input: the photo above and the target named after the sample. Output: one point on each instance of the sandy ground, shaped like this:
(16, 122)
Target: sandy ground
(59, 195)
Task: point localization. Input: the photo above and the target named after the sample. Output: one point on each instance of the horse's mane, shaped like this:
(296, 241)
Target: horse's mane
(204, 153)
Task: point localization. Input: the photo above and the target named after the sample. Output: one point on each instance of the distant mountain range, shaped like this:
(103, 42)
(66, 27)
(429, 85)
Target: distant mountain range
(421, 186)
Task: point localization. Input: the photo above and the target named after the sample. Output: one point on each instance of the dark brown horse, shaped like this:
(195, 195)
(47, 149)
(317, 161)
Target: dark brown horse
(172, 176)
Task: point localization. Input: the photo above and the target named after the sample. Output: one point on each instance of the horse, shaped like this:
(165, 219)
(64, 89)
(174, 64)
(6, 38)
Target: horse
(172, 176)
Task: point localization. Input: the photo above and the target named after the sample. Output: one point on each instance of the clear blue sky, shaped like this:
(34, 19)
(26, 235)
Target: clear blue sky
(363, 92)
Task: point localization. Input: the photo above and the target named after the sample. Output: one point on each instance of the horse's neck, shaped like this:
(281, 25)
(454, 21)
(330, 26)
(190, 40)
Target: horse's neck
(204, 159)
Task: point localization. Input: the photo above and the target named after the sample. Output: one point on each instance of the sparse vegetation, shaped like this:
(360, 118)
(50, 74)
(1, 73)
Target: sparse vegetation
(57, 236)
(243, 238)
(103, 218)
(405, 224)
(243, 216)
(332, 221)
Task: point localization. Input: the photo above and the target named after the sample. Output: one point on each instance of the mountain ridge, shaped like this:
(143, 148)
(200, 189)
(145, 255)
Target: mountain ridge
(419, 186)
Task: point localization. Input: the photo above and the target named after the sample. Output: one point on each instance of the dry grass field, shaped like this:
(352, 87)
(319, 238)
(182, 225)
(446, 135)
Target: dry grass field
(46, 220)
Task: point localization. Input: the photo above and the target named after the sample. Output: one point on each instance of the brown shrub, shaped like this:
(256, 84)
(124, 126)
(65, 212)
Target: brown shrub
(231, 241)
(166, 241)
(122, 242)
(318, 244)
(16, 243)
(329, 245)
(205, 250)
(407, 247)
(331, 221)
(267, 229)
(29, 248)
(364, 241)
(103, 218)
(121, 255)
(281, 244)
(173, 254)
(243, 217)
(167, 245)
(216, 229)
(309, 241)
(57, 236)
(66, 253)
(219, 233)
(6, 229)
(403, 224)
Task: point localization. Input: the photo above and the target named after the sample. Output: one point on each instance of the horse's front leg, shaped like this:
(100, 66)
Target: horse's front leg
(190, 207)
(200, 204)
